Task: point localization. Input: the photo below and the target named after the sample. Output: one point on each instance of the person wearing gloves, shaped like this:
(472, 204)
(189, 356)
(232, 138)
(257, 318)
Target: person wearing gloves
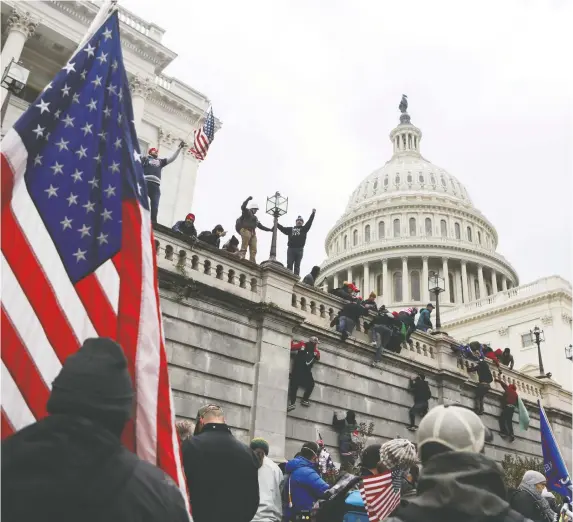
(71, 465)
(457, 481)
(305, 355)
(152, 167)
(247, 226)
(296, 241)
(528, 499)
(270, 479)
(187, 226)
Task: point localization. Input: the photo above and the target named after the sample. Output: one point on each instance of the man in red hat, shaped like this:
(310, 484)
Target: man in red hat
(152, 167)
(186, 227)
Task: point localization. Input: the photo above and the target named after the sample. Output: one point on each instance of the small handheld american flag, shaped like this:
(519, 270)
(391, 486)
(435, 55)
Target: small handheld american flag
(78, 256)
(381, 494)
(203, 137)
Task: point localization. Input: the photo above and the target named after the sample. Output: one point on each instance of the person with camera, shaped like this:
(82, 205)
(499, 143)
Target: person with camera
(302, 483)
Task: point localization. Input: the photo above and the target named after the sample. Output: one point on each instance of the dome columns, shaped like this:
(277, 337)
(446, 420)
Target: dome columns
(405, 280)
(465, 286)
(503, 283)
(481, 282)
(494, 280)
(425, 275)
(446, 276)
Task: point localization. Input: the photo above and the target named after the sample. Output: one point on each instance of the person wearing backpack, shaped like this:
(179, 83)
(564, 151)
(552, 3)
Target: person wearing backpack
(420, 389)
(485, 378)
(246, 226)
(348, 439)
(212, 238)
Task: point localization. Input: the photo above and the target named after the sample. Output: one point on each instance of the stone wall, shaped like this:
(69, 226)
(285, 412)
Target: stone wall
(228, 327)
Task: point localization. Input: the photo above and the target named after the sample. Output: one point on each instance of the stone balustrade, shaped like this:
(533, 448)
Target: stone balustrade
(139, 24)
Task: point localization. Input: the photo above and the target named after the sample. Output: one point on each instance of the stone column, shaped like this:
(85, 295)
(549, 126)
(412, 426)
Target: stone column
(446, 294)
(21, 25)
(385, 284)
(349, 275)
(465, 287)
(503, 283)
(482, 289)
(493, 282)
(335, 281)
(141, 88)
(366, 285)
(425, 291)
(405, 281)
(458, 276)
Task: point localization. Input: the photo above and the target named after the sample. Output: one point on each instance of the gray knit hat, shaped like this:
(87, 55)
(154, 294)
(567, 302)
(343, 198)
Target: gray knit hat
(398, 453)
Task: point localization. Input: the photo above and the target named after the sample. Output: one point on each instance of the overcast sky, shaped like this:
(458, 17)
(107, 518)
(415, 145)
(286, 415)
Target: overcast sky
(308, 93)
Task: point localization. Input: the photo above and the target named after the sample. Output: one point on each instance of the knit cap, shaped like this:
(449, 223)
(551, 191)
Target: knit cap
(398, 453)
(260, 443)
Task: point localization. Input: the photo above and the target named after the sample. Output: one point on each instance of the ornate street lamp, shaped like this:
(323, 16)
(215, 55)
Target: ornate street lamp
(569, 352)
(538, 337)
(277, 206)
(14, 79)
(437, 285)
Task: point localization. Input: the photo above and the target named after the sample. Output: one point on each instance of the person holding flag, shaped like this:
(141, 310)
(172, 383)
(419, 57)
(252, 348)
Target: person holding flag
(78, 263)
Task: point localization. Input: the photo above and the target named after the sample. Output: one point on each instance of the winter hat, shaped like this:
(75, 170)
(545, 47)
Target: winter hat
(398, 453)
(313, 340)
(370, 456)
(533, 477)
(372, 295)
(454, 427)
(260, 443)
(299, 218)
(190, 216)
(94, 382)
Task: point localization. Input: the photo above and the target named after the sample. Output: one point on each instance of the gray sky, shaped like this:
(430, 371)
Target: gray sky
(308, 93)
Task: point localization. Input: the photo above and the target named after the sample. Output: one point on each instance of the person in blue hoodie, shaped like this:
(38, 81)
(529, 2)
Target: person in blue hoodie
(303, 485)
(424, 321)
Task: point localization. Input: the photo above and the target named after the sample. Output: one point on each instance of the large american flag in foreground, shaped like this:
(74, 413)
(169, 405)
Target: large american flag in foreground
(78, 258)
(381, 494)
(203, 137)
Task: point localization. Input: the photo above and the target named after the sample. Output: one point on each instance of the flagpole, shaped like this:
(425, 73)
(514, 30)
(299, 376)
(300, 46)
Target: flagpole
(107, 8)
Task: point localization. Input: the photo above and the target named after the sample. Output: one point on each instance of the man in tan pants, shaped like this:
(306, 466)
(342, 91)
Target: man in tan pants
(246, 226)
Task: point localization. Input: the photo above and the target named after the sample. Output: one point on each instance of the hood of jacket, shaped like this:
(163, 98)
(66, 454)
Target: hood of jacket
(469, 485)
(63, 468)
(299, 462)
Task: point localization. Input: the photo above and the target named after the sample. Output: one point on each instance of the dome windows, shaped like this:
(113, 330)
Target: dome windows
(386, 180)
(444, 184)
(355, 238)
(469, 233)
(412, 226)
(457, 231)
(428, 227)
(375, 186)
(397, 179)
(345, 242)
(396, 228)
(421, 178)
(409, 178)
(381, 230)
(452, 288)
(397, 286)
(443, 228)
(432, 179)
(367, 234)
(479, 237)
(415, 285)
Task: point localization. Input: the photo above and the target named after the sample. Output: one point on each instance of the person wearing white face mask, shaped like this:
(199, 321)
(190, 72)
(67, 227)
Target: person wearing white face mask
(528, 499)
(551, 500)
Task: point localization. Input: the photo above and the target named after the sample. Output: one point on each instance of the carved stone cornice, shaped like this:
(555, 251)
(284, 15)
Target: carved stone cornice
(547, 320)
(22, 21)
(167, 138)
(503, 331)
(141, 86)
(566, 317)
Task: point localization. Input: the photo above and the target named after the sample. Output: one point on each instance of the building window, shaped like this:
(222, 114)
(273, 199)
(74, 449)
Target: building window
(443, 228)
(452, 288)
(386, 180)
(396, 228)
(526, 341)
(469, 234)
(476, 289)
(375, 186)
(409, 178)
(479, 237)
(379, 289)
(457, 231)
(381, 230)
(397, 180)
(345, 242)
(421, 178)
(338, 245)
(444, 182)
(367, 233)
(412, 226)
(415, 279)
(432, 179)
(428, 226)
(397, 287)
(355, 238)
(143, 147)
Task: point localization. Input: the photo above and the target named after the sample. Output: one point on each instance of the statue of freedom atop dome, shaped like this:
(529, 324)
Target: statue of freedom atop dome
(403, 104)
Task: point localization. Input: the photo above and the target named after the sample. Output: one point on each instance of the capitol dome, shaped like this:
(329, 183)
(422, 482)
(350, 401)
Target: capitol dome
(408, 219)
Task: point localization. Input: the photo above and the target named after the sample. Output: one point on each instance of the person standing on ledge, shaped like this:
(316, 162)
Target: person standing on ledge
(152, 167)
(247, 226)
(296, 241)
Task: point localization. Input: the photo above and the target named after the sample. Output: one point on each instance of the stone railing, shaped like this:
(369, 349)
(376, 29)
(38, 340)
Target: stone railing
(163, 81)
(541, 286)
(139, 24)
(177, 88)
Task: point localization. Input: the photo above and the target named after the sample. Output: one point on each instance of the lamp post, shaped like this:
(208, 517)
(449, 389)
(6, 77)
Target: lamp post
(569, 352)
(538, 336)
(14, 79)
(437, 285)
(277, 206)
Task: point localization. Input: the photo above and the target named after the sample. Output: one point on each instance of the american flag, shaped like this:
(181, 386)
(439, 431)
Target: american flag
(381, 494)
(203, 137)
(78, 256)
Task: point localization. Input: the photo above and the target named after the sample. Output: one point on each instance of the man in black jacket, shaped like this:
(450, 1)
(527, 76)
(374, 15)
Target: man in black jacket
(296, 241)
(247, 226)
(222, 473)
(457, 482)
(71, 465)
(485, 378)
(349, 316)
(380, 329)
(213, 238)
(421, 391)
(305, 355)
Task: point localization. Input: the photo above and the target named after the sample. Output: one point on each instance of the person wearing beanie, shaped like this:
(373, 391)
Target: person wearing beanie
(310, 279)
(369, 460)
(232, 246)
(529, 500)
(457, 481)
(296, 241)
(186, 226)
(152, 167)
(398, 454)
(213, 237)
(270, 479)
(303, 485)
(222, 472)
(71, 465)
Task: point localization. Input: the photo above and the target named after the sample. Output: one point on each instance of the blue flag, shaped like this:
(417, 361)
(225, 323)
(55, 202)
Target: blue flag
(558, 479)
